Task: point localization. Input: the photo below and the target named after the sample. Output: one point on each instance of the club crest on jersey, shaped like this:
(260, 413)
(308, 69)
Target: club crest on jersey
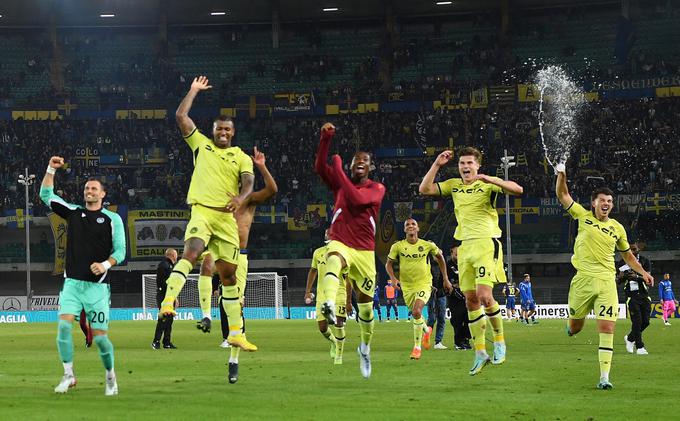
(82, 214)
(100, 220)
(421, 248)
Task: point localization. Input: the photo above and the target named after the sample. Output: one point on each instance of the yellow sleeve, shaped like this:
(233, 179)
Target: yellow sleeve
(434, 250)
(394, 253)
(622, 244)
(445, 187)
(195, 139)
(494, 187)
(246, 164)
(576, 210)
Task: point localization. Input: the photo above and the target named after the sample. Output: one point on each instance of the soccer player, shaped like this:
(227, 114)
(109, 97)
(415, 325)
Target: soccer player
(164, 324)
(480, 255)
(510, 292)
(526, 299)
(352, 234)
(376, 302)
(415, 278)
(96, 242)
(244, 215)
(391, 293)
(594, 285)
(668, 301)
(214, 196)
(318, 271)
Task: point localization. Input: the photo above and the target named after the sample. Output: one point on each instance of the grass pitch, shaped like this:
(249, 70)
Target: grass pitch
(548, 376)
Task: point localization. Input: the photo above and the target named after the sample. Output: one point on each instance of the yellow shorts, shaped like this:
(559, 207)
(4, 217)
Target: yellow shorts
(218, 231)
(360, 266)
(416, 292)
(589, 293)
(242, 275)
(340, 300)
(480, 262)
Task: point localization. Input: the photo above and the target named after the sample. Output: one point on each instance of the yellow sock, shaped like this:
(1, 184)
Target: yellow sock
(496, 321)
(418, 331)
(233, 357)
(204, 294)
(232, 306)
(339, 335)
(477, 327)
(366, 322)
(327, 334)
(605, 354)
(329, 284)
(176, 280)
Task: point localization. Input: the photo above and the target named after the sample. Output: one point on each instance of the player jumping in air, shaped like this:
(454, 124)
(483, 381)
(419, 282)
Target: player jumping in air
(244, 219)
(214, 196)
(594, 285)
(480, 256)
(352, 234)
(415, 278)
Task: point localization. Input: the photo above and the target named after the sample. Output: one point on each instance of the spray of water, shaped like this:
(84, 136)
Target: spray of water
(560, 103)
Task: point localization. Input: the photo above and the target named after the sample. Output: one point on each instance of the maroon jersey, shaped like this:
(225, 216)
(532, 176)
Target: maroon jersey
(357, 206)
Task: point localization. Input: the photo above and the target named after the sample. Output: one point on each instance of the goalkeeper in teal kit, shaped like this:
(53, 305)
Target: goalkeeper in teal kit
(96, 241)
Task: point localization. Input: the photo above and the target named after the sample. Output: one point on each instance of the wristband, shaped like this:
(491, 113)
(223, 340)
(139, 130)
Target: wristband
(51, 170)
(107, 265)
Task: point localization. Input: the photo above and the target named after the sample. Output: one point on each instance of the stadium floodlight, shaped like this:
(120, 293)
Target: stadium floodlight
(218, 13)
(330, 9)
(27, 181)
(444, 3)
(107, 15)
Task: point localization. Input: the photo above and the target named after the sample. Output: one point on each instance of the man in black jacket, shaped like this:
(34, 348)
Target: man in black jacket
(164, 324)
(456, 303)
(638, 301)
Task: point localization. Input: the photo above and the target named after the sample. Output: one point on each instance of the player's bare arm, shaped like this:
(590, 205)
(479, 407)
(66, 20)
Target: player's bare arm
(389, 267)
(442, 268)
(55, 163)
(311, 278)
(509, 187)
(562, 191)
(247, 183)
(427, 186)
(186, 124)
(631, 261)
(270, 187)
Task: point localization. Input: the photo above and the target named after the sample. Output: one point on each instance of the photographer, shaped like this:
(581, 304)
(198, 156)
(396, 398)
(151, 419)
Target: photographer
(638, 300)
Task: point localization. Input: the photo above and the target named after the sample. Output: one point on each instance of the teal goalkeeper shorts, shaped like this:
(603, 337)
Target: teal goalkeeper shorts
(94, 298)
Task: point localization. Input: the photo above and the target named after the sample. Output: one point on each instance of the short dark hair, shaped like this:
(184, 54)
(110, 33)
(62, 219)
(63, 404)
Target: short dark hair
(601, 190)
(224, 118)
(469, 150)
(98, 180)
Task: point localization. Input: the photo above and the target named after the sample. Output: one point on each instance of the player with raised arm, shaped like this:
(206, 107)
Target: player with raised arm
(594, 285)
(318, 271)
(352, 234)
(415, 278)
(214, 196)
(480, 255)
(96, 242)
(244, 215)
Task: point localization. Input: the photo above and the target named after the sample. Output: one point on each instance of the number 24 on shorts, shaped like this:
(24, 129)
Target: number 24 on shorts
(609, 311)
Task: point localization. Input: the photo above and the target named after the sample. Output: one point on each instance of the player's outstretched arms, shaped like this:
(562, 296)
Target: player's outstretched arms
(561, 188)
(270, 187)
(427, 186)
(186, 124)
(55, 163)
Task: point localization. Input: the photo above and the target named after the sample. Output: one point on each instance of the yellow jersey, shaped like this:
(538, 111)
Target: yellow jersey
(414, 264)
(474, 206)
